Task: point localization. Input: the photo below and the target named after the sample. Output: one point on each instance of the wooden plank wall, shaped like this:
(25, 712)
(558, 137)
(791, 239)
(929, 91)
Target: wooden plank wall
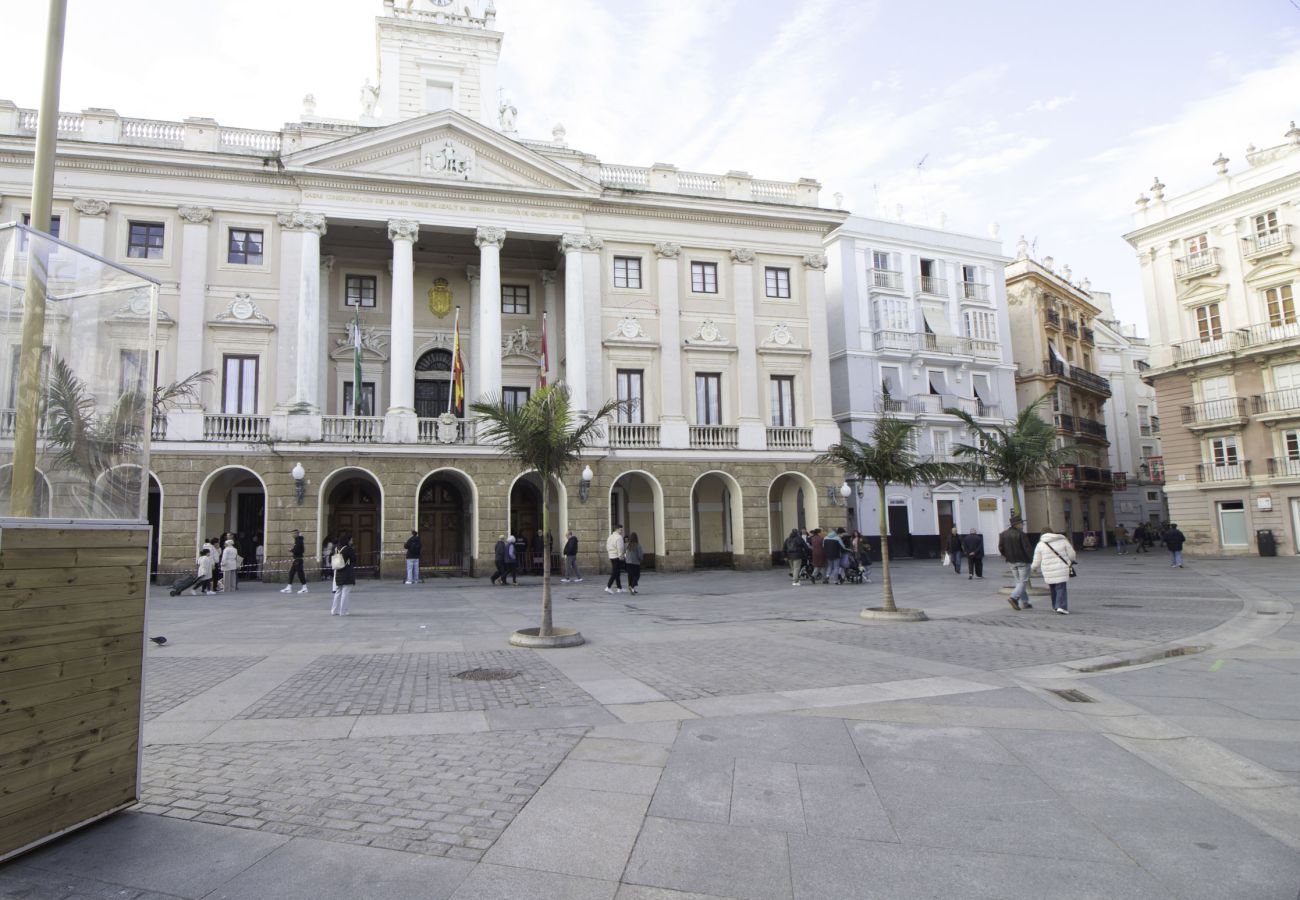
(72, 604)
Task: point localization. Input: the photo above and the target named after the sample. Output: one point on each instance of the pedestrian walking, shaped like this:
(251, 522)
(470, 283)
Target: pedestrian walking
(513, 553)
(632, 558)
(499, 558)
(833, 547)
(954, 550)
(230, 563)
(794, 553)
(259, 557)
(571, 572)
(412, 546)
(326, 554)
(295, 568)
(818, 543)
(972, 546)
(1054, 557)
(1014, 548)
(343, 562)
(1121, 540)
(615, 547)
(861, 548)
(1174, 540)
(203, 573)
(213, 546)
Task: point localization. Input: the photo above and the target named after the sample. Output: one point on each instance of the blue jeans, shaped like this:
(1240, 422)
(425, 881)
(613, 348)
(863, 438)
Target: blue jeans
(1177, 557)
(1121, 547)
(412, 571)
(1058, 595)
(1020, 575)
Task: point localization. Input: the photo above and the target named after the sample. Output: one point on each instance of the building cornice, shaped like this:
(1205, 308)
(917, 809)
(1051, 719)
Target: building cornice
(1183, 221)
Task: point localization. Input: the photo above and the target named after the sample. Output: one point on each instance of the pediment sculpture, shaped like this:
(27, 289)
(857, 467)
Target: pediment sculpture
(137, 308)
(447, 159)
(707, 333)
(629, 329)
(520, 342)
(781, 336)
(242, 310)
(371, 340)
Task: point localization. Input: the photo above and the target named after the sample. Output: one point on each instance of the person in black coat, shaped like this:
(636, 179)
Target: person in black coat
(412, 546)
(973, 546)
(954, 551)
(1174, 540)
(345, 576)
(499, 559)
(299, 550)
(571, 572)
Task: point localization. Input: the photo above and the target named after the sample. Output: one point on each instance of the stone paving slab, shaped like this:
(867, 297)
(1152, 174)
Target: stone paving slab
(170, 681)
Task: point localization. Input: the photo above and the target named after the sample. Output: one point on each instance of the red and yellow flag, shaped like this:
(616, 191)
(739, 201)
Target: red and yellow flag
(456, 401)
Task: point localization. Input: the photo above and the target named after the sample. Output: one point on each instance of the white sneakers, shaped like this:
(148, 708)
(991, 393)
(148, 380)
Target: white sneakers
(796, 584)
(564, 581)
(612, 591)
(287, 589)
(303, 589)
(1062, 610)
(576, 580)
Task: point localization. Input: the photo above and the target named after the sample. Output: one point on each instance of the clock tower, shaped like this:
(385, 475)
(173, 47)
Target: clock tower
(433, 56)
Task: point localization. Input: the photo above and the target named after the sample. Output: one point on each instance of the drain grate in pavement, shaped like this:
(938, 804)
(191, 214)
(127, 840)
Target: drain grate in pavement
(487, 674)
(1072, 695)
(1266, 612)
(1122, 605)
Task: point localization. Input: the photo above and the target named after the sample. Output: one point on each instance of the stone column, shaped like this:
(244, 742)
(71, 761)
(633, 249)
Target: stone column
(673, 429)
(550, 303)
(487, 343)
(297, 412)
(399, 420)
(323, 337)
(752, 433)
(825, 431)
(575, 317)
(186, 423)
(470, 354)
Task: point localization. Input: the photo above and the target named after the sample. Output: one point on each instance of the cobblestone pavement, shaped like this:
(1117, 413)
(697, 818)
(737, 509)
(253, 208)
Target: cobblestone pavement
(395, 683)
(170, 682)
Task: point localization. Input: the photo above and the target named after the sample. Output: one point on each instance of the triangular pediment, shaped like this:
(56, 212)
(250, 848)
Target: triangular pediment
(441, 148)
(1203, 292)
(946, 487)
(1279, 271)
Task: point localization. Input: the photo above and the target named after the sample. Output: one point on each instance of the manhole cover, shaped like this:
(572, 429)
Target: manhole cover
(487, 674)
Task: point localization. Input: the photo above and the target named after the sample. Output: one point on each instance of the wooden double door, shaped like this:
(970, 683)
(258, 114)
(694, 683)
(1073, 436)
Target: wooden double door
(442, 522)
(354, 507)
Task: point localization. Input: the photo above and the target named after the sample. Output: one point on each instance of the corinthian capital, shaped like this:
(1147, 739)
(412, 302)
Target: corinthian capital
(403, 230)
(668, 250)
(195, 215)
(302, 221)
(815, 261)
(88, 207)
(571, 242)
(489, 236)
(742, 255)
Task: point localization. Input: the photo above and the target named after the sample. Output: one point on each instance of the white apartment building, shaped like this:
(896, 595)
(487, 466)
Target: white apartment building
(1220, 277)
(700, 296)
(919, 326)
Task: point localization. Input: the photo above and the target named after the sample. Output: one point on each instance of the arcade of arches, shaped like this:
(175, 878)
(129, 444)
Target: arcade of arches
(686, 515)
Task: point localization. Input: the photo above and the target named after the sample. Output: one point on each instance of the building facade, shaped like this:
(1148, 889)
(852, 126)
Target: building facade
(1054, 343)
(1132, 419)
(1220, 277)
(700, 297)
(919, 327)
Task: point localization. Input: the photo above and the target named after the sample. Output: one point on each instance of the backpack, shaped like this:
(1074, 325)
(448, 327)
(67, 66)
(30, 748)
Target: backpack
(832, 548)
(337, 561)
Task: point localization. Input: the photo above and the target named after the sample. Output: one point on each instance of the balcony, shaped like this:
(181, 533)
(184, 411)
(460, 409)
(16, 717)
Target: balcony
(1199, 264)
(7, 417)
(1081, 377)
(1238, 471)
(788, 438)
(1065, 422)
(1070, 477)
(1052, 319)
(714, 437)
(928, 342)
(1210, 345)
(1089, 336)
(1090, 428)
(236, 429)
(455, 431)
(1284, 467)
(1216, 413)
(1072, 327)
(1278, 403)
(1276, 242)
(936, 404)
(633, 435)
(932, 284)
(984, 349)
(887, 279)
(971, 290)
(1262, 336)
(1152, 468)
(987, 410)
(938, 343)
(1119, 481)
(352, 429)
(895, 340)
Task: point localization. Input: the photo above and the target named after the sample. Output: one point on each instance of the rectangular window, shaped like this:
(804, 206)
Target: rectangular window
(1291, 445)
(778, 282)
(708, 398)
(145, 240)
(1266, 224)
(1232, 523)
(245, 247)
(939, 441)
(880, 260)
(239, 385)
(630, 385)
(516, 397)
(367, 399)
(514, 299)
(1223, 451)
(627, 272)
(1217, 387)
(1208, 326)
(704, 278)
(782, 396)
(893, 315)
(360, 290)
(980, 326)
(891, 385)
(130, 372)
(1194, 245)
(938, 381)
(1281, 305)
(27, 220)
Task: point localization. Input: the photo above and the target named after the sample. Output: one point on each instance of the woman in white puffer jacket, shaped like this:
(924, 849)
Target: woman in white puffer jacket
(1053, 557)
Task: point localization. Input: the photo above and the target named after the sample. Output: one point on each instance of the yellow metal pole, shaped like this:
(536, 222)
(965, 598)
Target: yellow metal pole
(27, 399)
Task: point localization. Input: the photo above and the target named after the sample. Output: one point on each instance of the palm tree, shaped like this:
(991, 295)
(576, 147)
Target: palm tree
(542, 436)
(889, 458)
(1019, 455)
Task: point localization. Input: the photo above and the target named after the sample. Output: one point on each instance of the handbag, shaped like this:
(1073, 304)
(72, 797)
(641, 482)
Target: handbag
(947, 560)
(1063, 559)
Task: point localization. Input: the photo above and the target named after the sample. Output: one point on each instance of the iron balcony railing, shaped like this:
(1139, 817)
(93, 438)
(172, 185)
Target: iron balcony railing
(1284, 467)
(1283, 329)
(1072, 327)
(1201, 262)
(972, 290)
(1267, 242)
(932, 284)
(1278, 401)
(1089, 336)
(1210, 411)
(1090, 427)
(1065, 422)
(887, 278)
(1052, 318)
(1211, 472)
(1081, 377)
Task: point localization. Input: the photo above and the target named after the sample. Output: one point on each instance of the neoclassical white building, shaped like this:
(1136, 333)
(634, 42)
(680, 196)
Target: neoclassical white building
(921, 327)
(702, 297)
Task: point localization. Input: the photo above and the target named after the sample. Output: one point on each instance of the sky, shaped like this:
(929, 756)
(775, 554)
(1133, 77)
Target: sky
(1045, 117)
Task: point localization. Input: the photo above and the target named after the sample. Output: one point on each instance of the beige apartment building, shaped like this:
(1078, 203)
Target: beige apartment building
(1219, 274)
(1053, 342)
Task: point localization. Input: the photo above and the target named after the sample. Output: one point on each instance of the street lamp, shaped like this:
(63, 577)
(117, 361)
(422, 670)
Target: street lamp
(584, 486)
(299, 482)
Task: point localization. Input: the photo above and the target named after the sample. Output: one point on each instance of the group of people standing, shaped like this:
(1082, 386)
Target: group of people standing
(220, 561)
(826, 557)
(625, 555)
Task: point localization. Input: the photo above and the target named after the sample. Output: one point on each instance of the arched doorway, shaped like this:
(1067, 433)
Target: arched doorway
(791, 503)
(42, 496)
(636, 501)
(445, 521)
(232, 499)
(526, 520)
(432, 383)
(355, 502)
(717, 521)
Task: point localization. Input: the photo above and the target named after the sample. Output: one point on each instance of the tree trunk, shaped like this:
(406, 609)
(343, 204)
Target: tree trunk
(545, 630)
(1017, 507)
(887, 584)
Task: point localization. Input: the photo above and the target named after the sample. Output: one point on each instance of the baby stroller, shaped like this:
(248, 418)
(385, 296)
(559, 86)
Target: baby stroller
(184, 583)
(852, 571)
(806, 571)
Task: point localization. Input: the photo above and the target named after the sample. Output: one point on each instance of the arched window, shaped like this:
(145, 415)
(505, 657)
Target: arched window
(432, 383)
(434, 361)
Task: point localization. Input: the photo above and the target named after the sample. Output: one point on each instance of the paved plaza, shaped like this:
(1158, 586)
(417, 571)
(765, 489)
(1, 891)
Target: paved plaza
(721, 735)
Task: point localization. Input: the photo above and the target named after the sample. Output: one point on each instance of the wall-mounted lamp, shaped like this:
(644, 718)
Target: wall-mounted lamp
(299, 482)
(839, 496)
(584, 486)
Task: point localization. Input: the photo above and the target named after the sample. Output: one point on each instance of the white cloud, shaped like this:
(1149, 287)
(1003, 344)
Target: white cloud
(1050, 105)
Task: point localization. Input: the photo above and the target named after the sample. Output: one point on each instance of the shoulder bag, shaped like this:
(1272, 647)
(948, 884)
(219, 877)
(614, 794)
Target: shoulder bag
(1062, 559)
